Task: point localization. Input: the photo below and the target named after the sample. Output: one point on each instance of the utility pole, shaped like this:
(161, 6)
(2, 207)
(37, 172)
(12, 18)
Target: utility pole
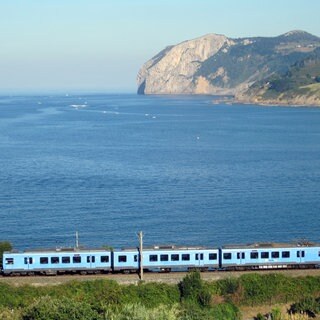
(77, 240)
(140, 234)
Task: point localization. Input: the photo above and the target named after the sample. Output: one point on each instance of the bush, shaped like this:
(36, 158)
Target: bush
(11, 297)
(4, 246)
(223, 311)
(140, 312)
(309, 305)
(226, 311)
(276, 314)
(154, 294)
(47, 308)
(228, 286)
(193, 289)
(10, 314)
(190, 286)
(259, 317)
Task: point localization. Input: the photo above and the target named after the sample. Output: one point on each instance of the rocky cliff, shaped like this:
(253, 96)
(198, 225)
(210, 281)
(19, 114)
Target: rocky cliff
(172, 70)
(215, 64)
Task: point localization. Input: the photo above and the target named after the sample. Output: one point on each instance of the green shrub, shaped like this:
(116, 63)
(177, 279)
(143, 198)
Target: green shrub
(153, 294)
(10, 314)
(228, 286)
(190, 286)
(226, 311)
(4, 246)
(47, 308)
(276, 314)
(308, 305)
(140, 312)
(259, 317)
(223, 311)
(194, 289)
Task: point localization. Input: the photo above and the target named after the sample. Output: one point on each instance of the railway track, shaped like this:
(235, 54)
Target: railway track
(171, 278)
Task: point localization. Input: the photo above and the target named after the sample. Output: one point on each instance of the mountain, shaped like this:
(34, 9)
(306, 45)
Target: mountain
(300, 85)
(248, 68)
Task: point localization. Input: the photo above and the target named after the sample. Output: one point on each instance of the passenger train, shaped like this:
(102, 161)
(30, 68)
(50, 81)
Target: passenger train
(162, 259)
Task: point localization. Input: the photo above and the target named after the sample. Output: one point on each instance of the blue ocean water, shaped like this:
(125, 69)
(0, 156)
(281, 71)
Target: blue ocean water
(181, 169)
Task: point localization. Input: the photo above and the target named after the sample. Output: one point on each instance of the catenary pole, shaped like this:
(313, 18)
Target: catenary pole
(141, 254)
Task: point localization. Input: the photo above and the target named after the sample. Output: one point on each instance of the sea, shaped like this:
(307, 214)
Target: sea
(184, 170)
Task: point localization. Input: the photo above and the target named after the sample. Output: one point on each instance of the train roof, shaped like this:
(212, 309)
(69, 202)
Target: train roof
(168, 248)
(272, 245)
(61, 250)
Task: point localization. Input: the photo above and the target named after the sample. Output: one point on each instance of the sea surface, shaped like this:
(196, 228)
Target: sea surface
(181, 169)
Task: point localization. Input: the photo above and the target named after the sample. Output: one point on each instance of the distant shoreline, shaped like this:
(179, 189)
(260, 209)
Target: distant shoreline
(230, 100)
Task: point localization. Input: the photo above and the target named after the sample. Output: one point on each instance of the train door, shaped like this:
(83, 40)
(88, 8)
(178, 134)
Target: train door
(300, 255)
(240, 257)
(28, 261)
(91, 261)
(199, 259)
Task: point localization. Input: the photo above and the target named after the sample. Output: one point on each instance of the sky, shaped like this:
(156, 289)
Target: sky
(99, 45)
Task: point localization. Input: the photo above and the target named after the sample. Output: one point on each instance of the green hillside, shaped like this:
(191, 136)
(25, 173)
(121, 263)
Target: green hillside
(254, 59)
(301, 81)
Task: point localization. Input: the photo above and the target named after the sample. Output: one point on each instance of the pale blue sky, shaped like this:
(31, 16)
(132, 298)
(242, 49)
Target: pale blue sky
(99, 45)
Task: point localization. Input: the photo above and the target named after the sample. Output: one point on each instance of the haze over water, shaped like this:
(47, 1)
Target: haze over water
(181, 169)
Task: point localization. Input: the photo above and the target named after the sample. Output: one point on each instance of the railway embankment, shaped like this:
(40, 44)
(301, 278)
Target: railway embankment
(282, 294)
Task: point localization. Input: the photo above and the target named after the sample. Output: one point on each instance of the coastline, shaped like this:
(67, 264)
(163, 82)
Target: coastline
(231, 100)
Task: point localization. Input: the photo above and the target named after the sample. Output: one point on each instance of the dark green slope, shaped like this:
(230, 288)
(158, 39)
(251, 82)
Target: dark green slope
(300, 82)
(253, 59)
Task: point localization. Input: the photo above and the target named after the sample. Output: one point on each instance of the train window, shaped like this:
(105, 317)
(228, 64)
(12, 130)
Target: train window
(185, 257)
(44, 260)
(26, 260)
(153, 258)
(227, 255)
(254, 255)
(285, 254)
(265, 255)
(212, 256)
(76, 259)
(319, 253)
(164, 257)
(300, 254)
(275, 254)
(65, 259)
(122, 258)
(104, 259)
(9, 261)
(54, 260)
(240, 255)
(135, 258)
(174, 257)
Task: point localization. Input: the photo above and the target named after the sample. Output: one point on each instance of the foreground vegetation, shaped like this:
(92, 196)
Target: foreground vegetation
(191, 299)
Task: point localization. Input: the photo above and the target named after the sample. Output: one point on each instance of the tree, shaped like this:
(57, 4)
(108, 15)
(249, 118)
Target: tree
(192, 288)
(4, 246)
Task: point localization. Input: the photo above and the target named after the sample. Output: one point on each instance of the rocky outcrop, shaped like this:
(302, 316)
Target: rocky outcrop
(172, 70)
(217, 65)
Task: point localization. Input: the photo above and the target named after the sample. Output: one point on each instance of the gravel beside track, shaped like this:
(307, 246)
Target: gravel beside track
(173, 277)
